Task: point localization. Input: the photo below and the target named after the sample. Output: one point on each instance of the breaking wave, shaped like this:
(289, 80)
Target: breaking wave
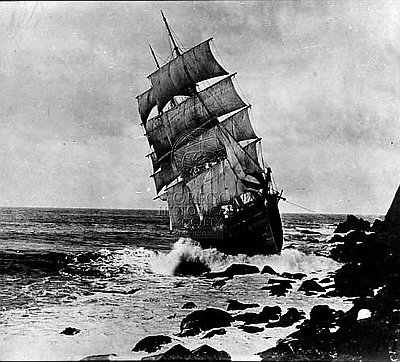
(186, 250)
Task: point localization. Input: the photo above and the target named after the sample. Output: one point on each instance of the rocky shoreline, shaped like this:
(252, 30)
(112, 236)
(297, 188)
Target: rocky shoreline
(370, 330)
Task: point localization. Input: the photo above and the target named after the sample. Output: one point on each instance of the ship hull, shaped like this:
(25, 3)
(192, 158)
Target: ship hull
(257, 229)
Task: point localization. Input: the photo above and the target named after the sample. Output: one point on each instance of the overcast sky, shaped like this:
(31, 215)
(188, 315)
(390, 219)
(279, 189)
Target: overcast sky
(322, 76)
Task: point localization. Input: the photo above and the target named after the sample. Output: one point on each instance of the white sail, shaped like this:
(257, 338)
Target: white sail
(183, 72)
(146, 103)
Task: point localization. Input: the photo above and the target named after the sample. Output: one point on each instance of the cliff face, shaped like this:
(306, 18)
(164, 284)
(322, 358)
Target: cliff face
(392, 218)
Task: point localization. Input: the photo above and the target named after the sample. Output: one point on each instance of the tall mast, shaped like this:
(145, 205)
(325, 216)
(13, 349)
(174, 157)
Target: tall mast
(154, 56)
(176, 48)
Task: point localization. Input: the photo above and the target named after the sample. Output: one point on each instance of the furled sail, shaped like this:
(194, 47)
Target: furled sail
(219, 99)
(183, 72)
(146, 102)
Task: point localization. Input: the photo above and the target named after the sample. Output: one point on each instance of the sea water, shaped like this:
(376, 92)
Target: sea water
(109, 273)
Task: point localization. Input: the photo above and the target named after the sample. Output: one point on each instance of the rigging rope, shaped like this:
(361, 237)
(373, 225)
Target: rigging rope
(302, 207)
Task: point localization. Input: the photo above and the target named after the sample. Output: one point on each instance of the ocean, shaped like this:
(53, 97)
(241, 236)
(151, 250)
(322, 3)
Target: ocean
(109, 274)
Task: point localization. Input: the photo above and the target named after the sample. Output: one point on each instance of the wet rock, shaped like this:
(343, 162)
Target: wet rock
(291, 317)
(189, 305)
(100, 357)
(220, 331)
(268, 270)
(251, 329)
(219, 283)
(278, 290)
(270, 313)
(190, 266)
(70, 331)
(207, 353)
(87, 257)
(236, 305)
(353, 223)
(311, 286)
(151, 343)
(285, 282)
(204, 320)
(177, 352)
(248, 318)
(325, 280)
(235, 269)
(297, 276)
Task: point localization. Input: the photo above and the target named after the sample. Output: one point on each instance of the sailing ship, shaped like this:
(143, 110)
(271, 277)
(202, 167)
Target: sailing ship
(206, 157)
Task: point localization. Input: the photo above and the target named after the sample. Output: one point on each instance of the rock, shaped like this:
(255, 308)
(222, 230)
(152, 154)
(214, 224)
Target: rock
(235, 269)
(322, 315)
(219, 283)
(189, 305)
(298, 276)
(207, 353)
(353, 223)
(251, 329)
(249, 318)
(190, 266)
(268, 270)
(151, 343)
(236, 305)
(177, 352)
(220, 331)
(278, 290)
(287, 283)
(270, 313)
(325, 280)
(204, 320)
(70, 331)
(311, 286)
(87, 257)
(99, 357)
(392, 217)
(290, 317)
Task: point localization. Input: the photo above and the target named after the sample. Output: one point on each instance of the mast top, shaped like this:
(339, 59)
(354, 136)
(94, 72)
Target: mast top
(176, 48)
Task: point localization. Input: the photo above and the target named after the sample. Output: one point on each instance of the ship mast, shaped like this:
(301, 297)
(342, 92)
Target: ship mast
(176, 48)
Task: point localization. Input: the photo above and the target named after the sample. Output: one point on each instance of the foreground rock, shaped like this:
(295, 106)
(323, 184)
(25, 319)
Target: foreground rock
(370, 330)
(203, 353)
(353, 223)
(204, 320)
(236, 305)
(70, 331)
(234, 269)
(151, 343)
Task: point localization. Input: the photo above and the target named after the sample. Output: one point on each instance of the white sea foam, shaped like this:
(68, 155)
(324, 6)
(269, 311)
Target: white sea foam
(290, 260)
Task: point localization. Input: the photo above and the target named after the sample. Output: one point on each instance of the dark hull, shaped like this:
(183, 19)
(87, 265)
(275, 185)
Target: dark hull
(257, 229)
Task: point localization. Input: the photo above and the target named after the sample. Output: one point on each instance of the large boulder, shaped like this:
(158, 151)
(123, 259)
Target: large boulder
(175, 353)
(151, 343)
(353, 223)
(311, 286)
(235, 269)
(236, 305)
(207, 353)
(204, 320)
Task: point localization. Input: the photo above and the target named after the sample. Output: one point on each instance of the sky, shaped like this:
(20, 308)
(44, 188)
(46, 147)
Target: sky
(323, 78)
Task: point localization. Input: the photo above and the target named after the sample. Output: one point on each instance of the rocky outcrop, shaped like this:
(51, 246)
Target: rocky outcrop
(204, 320)
(151, 343)
(236, 305)
(202, 353)
(353, 223)
(234, 269)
